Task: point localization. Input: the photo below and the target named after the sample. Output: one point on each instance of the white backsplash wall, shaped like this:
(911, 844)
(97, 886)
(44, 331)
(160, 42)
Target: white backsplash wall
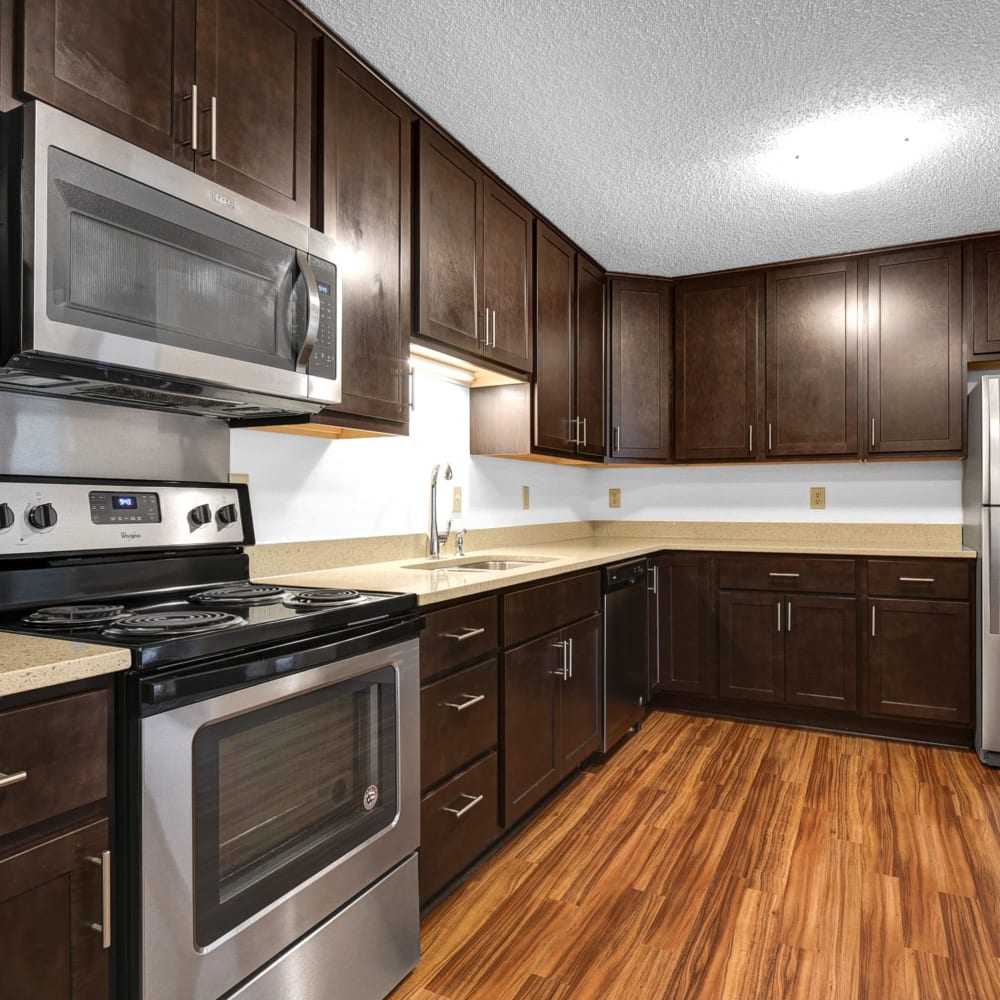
(306, 488)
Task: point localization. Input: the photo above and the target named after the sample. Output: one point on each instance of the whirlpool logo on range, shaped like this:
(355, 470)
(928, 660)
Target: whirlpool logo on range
(131, 536)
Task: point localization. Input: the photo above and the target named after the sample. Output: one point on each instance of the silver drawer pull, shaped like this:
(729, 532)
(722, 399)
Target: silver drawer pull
(474, 801)
(103, 861)
(467, 633)
(461, 706)
(790, 576)
(13, 778)
(916, 579)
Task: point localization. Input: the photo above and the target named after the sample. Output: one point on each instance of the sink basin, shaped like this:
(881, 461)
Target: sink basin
(478, 564)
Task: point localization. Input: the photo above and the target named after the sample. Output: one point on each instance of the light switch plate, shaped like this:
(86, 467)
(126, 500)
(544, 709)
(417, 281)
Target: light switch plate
(817, 498)
(456, 499)
(525, 498)
(614, 498)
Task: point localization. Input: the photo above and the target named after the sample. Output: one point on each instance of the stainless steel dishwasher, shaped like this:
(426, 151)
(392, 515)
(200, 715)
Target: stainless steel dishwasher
(626, 653)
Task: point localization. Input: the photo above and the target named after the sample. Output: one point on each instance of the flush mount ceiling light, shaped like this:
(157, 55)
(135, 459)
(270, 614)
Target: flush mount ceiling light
(855, 150)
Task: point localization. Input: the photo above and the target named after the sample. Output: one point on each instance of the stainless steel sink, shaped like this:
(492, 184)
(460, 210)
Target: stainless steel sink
(478, 564)
(495, 564)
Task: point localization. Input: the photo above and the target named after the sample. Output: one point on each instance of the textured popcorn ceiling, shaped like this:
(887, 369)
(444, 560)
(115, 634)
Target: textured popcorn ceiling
(637, 127)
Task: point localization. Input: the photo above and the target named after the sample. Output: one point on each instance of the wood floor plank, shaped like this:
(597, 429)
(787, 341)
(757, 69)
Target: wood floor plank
(718, 860)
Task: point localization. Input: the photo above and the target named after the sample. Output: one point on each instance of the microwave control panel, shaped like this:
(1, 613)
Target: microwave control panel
(323, 362)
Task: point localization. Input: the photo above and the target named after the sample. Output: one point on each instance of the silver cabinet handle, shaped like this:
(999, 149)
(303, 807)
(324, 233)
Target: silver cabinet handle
(214, 128)
(788, 620)
(563, 672)
(916, 579)
(791, 576)
(873, 432)
(493, 340)
(474, 801)
(750, 427)
(582, 422)
(461, 706)
(618, 438)
(779, 616)
(873, 621)
(467, 632)
(13, 778)
(655, 589)
(312, 323)
(104, 927)
(193, 141)
(768, 437)
(413, 388)
(575, 438)
(570, 641)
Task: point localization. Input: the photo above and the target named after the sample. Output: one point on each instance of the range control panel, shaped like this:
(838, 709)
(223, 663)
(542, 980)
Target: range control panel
(47, 516)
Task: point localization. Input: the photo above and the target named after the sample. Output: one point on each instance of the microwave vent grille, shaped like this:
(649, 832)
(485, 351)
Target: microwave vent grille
(151, 397)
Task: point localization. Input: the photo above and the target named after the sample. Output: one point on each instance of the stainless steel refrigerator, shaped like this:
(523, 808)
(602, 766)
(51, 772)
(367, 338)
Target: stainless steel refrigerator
(981, 506)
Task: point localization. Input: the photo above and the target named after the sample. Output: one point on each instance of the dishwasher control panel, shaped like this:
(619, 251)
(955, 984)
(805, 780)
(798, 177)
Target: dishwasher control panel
(624, 573)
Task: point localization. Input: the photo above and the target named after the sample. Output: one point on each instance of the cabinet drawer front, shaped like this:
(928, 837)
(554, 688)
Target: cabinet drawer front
(62, 746)
(788, 574)
(457, 635)
(458, 721)
(537, 610)
(923, 578)
(457, 823)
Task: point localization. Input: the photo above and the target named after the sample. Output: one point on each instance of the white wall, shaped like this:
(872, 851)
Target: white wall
(307, 488)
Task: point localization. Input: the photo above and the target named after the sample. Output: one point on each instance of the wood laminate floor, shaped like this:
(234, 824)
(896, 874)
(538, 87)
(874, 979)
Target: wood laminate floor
(719, 859)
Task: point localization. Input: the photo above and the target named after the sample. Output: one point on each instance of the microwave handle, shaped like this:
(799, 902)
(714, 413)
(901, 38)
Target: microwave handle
(312, 322)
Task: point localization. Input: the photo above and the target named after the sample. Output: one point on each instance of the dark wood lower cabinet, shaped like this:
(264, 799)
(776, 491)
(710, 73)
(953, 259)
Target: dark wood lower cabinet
(918, 660)
(751, 660)
(580, 706)
(821, 642)
(51, 919)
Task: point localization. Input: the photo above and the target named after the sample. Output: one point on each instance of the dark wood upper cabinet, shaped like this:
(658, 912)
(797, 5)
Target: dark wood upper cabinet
(474, 248)
(254, 69)
(591, 322)
(366, 184)
(130, 66)
(811, 366)
(982, 298)
(718, 321)
(916, 378)
(125, 66)
(507, 277)
(555, 360)
(641, 368)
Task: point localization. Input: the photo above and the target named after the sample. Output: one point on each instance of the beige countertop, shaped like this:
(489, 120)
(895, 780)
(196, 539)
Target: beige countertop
(28, 662)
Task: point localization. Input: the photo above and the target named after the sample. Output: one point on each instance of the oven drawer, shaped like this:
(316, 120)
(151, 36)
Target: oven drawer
(458, 721)
(62, 748)
(919, 578)
(788, 574)
(460, 634)
(457, 823)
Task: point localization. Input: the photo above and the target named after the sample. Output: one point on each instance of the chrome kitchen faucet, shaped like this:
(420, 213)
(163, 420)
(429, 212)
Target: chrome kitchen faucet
(438, 538)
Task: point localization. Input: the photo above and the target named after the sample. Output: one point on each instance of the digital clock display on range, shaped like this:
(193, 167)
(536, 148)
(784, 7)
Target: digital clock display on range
(124, 502)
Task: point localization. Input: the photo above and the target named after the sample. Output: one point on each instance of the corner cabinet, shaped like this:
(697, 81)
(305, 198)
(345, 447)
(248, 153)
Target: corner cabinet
(252, 62)
(641, 369)
(474, 256)
(982, 298)
(916, 374)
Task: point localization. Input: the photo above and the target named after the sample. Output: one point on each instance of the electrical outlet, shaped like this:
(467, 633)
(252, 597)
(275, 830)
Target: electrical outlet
(614, 498)
(817, 498)
(456, 499)
(525, 498)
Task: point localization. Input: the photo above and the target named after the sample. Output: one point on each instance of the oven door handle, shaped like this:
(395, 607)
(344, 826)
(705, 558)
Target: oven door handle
(312, 315)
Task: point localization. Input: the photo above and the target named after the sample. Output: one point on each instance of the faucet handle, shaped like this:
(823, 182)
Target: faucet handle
(443, 536)
(460, 542)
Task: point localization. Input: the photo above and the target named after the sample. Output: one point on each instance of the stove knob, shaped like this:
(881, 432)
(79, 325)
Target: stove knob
(42, 517)
(200, 515)
(6, 516)
(228, 514)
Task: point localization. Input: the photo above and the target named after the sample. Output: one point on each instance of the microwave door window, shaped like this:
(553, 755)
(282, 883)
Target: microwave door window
(133, 261)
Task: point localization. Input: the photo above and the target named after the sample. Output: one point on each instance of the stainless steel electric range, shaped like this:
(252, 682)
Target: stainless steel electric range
(267, 756)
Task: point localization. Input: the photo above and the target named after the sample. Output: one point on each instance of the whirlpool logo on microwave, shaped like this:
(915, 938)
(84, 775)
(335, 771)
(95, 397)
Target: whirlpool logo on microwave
(131, 536)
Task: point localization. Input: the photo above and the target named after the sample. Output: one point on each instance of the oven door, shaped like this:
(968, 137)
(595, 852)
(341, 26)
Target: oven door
(266, 809)
(136, 263)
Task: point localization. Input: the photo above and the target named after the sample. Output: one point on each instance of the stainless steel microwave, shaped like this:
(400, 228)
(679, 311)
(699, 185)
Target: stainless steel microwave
(128, 279)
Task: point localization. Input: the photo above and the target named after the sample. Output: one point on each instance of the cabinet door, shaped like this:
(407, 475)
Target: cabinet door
(580, 711)
(591, 313)
(125, 66)
(919, 664)
(812, 359)
(531, 738)
(555, 364)
(751, 646)
(450, 238)
(716, 330)
(821, 659)
(507, 276)
(641, 368)
(916, 382)
(51, 917)
(366, 208)
(983, 297)
(684, 637)
(255, 59)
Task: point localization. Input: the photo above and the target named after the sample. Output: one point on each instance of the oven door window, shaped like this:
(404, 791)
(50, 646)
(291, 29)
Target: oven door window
(282, 792)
